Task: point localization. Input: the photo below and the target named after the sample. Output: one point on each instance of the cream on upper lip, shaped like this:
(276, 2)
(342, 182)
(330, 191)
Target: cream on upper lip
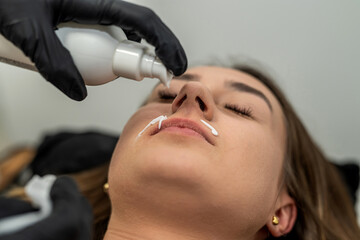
(152, 122)
(184, 123)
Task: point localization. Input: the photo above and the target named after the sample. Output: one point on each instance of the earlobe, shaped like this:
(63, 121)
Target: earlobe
(284, 216)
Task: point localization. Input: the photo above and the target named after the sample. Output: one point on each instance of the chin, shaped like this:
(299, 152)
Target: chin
(166, 172)
(173, 158)
(164, 161)
(169, 163)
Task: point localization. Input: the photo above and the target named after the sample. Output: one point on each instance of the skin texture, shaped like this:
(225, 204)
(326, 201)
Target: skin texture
(177, 185)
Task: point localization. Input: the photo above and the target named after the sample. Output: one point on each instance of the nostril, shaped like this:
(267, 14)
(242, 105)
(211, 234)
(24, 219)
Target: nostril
(201, 104)
(181, 100)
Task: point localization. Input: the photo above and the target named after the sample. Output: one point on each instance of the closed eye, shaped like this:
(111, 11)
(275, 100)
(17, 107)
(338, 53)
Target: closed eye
(166, 95)
(243, 111)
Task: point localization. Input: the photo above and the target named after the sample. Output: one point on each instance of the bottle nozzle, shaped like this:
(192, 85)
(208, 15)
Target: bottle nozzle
(159, 71)
(132, 61)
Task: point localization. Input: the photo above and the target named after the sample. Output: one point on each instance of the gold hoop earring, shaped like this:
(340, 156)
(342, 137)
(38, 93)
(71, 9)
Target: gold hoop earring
(275, 220)
(106, 187)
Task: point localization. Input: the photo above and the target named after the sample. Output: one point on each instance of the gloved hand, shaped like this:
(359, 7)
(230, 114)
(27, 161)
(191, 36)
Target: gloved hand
(70, 219)
(30, 25)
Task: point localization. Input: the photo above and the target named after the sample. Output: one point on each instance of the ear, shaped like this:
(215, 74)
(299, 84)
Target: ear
(286, 211)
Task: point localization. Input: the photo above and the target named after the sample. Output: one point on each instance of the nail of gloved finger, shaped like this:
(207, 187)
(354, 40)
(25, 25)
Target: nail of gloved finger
(132, 35)
(178, 63)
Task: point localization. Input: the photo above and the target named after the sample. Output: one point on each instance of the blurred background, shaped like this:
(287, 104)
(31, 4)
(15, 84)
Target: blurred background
(310, 47)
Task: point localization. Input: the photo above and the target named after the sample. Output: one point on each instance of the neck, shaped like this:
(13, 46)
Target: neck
(137, 227)
(145, 230)
(120, 230)
(140, 225)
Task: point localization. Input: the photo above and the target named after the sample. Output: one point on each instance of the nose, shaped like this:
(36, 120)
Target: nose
(194, 97)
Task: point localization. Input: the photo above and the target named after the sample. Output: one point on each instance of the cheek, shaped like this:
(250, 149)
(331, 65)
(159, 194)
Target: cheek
(251, 141)
(137, 122)
(126, 145)
(252, 163)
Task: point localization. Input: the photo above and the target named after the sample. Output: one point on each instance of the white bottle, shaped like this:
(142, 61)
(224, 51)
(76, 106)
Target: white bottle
(101, 54)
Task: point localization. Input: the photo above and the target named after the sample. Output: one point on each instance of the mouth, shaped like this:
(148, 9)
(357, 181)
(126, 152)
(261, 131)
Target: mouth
(184, 126)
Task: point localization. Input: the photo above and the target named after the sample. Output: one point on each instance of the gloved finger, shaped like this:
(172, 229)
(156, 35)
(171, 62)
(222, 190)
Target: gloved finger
(132, 35)
(70, 218)
(150, 27)
(13, 206)
(53, 61)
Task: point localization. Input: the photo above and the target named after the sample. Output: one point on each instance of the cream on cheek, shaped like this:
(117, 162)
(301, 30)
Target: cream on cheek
(213, 131)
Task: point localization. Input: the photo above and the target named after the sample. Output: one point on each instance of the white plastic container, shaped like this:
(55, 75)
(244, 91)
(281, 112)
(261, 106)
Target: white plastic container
(101, 53)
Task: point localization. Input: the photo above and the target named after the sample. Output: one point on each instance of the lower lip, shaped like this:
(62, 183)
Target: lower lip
(182, 131)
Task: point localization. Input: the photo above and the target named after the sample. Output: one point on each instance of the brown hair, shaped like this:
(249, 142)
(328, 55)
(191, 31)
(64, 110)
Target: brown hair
(325, 211)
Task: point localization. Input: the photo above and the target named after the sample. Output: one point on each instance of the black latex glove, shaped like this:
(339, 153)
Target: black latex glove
(70, 152)
(13, 206)
(70, 219)
(30, 25)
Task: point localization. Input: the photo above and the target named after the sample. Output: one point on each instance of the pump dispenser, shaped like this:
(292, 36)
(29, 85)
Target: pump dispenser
(101, 54)
(136, 64)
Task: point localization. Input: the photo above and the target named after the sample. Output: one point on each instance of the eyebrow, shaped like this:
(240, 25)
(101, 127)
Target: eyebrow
(188, 77)
(241, 87)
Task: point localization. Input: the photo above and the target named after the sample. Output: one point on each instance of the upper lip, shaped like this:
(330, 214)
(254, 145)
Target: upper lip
(185, 123)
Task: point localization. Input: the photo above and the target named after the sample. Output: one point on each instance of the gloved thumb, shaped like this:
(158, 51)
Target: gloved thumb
(55, 64)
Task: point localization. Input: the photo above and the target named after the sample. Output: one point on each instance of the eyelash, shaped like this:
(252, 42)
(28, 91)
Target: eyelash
(243, 111)
(166, 95)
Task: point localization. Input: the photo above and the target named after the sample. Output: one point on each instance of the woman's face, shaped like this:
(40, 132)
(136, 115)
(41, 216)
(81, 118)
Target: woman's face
(234, 176)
